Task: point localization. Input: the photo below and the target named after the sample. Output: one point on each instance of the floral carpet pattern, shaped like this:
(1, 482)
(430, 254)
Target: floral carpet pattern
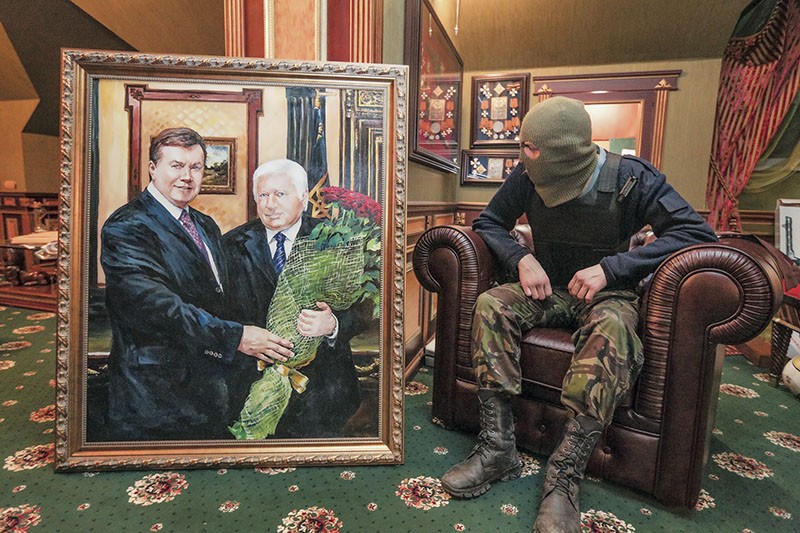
(751, 482)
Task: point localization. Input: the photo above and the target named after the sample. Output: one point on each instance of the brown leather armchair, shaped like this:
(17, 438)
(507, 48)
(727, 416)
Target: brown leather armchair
(701, 297)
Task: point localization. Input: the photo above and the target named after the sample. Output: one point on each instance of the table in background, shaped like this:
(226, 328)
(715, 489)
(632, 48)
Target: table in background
(26, 279)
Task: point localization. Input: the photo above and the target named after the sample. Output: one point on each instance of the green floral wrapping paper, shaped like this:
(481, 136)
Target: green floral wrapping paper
(318, 270)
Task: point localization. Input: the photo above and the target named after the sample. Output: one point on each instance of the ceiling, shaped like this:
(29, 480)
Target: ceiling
(169, 26)
(32, 33)
(507, 34)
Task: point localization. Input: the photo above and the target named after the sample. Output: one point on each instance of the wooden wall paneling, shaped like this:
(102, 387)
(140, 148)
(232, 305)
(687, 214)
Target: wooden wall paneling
(756, 222)
(235, 39)
(414, 318)
(276, 29)
(413, 313)
(295, 29)
(355, 31)
(415, 227)
(443, 219)
(420, 304)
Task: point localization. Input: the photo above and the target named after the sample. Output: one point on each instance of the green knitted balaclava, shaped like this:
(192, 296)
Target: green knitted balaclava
(562, 131)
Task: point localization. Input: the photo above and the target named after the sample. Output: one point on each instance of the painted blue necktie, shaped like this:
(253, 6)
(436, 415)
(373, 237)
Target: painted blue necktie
(279, 259)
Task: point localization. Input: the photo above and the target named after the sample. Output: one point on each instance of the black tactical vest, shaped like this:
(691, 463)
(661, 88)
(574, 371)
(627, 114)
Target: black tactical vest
(579, 233)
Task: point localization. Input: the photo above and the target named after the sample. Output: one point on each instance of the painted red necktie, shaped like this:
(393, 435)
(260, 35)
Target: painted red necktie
(188, 224)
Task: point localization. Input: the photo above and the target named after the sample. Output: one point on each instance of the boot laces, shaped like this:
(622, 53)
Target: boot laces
(566, 473)
(564, 481)
(488, 422)
(486, 441)
(487, 413)
(489, 435)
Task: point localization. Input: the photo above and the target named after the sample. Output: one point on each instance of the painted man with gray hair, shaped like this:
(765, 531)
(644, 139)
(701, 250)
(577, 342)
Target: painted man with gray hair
(257, 252)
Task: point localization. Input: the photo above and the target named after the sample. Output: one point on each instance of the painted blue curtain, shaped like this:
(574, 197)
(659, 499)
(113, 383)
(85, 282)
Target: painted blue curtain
(305, 142)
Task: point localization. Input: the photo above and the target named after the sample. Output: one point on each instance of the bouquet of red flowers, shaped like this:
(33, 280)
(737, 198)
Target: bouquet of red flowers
(351, 213)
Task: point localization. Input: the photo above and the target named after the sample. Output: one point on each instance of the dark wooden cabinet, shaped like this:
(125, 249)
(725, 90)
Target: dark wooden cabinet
(25, 212)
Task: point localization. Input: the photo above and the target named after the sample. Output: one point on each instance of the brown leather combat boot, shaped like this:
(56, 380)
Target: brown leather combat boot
(495, 457)
(559, 511)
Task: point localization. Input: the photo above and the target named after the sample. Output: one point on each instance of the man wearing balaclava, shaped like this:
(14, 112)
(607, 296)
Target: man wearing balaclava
(583, 205)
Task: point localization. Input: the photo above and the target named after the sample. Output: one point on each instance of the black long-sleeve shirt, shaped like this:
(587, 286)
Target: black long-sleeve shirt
(651, 201)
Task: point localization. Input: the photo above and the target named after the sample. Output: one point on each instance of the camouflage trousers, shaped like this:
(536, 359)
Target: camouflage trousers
(608, 352)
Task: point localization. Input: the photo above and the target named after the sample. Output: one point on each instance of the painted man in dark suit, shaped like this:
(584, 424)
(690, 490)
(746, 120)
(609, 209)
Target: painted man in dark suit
(280, 188)
(165, 284)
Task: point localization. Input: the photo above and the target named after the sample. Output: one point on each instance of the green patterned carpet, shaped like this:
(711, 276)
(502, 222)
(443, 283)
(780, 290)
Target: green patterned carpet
(751, 477)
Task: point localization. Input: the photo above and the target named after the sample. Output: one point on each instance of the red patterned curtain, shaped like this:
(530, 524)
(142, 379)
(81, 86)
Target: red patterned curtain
(759, 79)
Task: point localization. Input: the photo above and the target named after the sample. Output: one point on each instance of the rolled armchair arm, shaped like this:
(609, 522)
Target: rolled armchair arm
(454, 262)
(701, 296)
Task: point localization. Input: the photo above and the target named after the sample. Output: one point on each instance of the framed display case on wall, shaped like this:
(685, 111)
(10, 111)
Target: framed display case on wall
(499, 103)
(487, 166)
(435, 87)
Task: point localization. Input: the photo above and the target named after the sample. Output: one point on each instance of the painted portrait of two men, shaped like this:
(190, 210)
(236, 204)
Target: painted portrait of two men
(236, 266)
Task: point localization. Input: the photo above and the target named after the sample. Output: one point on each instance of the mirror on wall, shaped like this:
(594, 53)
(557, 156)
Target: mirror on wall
(617, 126)
(627, 109)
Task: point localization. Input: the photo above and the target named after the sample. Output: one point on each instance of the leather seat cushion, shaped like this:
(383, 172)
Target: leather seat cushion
(545, 357)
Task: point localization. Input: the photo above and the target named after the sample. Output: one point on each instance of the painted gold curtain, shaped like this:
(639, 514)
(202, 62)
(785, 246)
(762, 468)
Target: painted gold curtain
(758, 82)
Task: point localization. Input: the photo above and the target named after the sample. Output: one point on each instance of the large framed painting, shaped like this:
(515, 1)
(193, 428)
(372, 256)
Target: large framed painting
(499, 103)
(230, 270)
(435, 82)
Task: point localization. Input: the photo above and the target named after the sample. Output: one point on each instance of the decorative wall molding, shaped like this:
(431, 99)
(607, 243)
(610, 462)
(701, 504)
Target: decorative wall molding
(650, 88)
(234, 28)
(251, 30)
(355, 31)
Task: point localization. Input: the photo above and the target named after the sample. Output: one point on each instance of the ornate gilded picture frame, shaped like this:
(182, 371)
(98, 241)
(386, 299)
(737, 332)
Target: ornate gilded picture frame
(130, 324)
(499, 103)
(219, 176)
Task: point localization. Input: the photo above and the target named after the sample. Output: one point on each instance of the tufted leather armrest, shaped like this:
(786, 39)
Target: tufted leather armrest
(707, 294)
(454, 262)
